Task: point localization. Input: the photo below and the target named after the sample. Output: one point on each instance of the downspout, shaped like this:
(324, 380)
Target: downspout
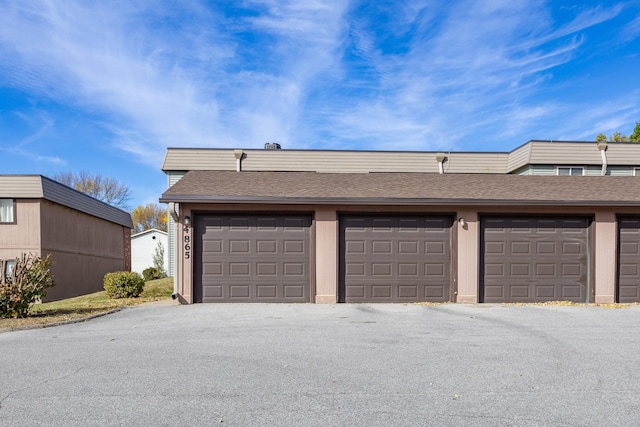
(238, 154)
(440, 158)
(602, 146)
(174, 215)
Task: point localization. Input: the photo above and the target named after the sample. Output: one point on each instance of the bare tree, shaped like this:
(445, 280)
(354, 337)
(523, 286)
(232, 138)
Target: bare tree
(97, 186)
(149, 216)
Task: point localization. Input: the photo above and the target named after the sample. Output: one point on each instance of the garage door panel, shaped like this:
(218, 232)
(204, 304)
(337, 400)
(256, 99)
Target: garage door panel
(628, 260)
(381, 247)
(531, 259)
(436, 248)
(395, 258)
(252, 258)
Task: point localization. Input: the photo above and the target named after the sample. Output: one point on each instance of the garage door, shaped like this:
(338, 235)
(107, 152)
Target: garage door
(252, 258)
(629, 260)
(534, 259)
(395, 258)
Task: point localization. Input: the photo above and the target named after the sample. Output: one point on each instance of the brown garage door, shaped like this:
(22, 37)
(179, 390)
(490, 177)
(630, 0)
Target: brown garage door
(252, 258)
(534, 259)
(629, 260)
(395, 258)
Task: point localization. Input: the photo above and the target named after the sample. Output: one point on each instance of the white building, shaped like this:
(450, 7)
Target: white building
(143, 247)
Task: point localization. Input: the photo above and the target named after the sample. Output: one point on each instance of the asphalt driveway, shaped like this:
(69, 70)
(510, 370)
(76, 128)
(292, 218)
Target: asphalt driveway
(319, 365)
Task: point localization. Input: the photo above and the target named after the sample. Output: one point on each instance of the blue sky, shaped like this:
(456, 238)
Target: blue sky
(107, 86)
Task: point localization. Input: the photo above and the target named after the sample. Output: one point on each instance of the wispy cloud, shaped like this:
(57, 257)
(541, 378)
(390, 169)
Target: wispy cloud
(307, 74)
(471, 73)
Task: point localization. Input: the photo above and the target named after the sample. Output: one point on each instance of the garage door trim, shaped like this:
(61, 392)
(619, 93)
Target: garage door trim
(451, 247)
(590, 246)
(197, 254)
(619, 259)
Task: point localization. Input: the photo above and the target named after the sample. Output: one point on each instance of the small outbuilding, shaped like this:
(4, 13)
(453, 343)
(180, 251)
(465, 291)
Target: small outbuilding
(144, 246)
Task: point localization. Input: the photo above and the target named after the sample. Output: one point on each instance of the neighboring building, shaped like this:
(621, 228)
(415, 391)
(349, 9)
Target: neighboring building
(85, 237)
(143, 248)
(387, 226)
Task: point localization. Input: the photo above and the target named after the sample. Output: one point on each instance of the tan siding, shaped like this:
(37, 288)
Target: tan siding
(333, 161)
(620, 153)
(565, 153)
(20, 186)
(198, 159)
(84, 248)
(533, 152)
(24, 235)
(518, 158)
(475, 163)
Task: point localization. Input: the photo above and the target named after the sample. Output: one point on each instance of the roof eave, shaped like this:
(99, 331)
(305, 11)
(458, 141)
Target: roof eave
(387, 201)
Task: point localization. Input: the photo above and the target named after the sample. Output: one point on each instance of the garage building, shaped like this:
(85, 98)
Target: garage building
(356, 236)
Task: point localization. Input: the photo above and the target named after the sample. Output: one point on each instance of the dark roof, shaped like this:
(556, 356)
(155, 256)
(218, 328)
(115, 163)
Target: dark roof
(402, 188)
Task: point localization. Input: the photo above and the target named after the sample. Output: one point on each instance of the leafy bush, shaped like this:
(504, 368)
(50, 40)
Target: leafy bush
(123, 284)
(152, 273)
(27, 284)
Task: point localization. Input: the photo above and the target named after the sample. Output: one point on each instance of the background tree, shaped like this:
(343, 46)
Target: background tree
(618, 137)
(149, 216)
(97, 186)
(158, 261)
(635, 136)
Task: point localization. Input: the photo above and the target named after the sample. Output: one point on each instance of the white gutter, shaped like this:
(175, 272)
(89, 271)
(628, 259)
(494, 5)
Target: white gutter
(440, 158)
(602, 146)
(238, 155)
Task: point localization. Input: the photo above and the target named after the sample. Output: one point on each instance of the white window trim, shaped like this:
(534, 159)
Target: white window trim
(13, 212)
(557, 169)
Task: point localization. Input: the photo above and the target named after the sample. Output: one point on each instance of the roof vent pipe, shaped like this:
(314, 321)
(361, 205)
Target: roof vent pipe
(238, 154)
(440, 158)
(602, 146)
(272, 146)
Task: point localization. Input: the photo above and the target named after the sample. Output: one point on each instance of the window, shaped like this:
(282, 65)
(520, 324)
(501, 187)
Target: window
(636, 171)
(570, 170)
(6, 210)
(9, 268)
(6, 270)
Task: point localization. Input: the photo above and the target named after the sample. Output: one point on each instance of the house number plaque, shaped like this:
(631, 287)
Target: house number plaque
(187, 245)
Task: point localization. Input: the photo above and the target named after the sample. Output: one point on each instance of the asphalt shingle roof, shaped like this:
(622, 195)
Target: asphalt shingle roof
(413, 188)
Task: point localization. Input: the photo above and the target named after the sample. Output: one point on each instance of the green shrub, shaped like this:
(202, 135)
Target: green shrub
(27, 284)
(123, 284)
(152, 273)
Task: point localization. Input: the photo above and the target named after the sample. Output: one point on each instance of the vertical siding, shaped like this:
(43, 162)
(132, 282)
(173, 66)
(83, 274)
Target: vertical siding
(24, 235)
(83, 249)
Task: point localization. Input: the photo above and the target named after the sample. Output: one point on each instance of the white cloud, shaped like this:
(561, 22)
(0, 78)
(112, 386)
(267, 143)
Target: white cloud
(356, 75)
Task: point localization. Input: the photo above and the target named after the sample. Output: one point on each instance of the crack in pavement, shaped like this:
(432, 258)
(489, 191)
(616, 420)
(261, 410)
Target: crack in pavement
(39, 384)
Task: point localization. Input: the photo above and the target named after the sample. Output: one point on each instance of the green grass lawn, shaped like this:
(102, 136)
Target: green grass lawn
(87, 305)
